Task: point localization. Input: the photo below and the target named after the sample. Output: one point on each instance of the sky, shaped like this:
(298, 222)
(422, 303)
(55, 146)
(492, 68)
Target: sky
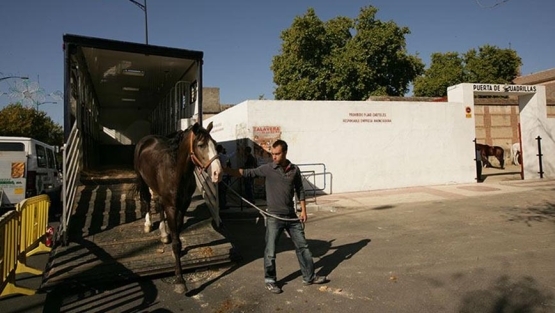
(239, 38)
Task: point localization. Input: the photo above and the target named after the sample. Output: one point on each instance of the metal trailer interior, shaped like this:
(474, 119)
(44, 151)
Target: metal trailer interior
(112, 86)
(115, 93)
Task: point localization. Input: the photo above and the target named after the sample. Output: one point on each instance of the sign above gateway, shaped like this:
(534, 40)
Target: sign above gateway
(506, 89)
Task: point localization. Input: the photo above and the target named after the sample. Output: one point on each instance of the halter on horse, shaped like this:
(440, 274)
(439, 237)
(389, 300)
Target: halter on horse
(166, 166)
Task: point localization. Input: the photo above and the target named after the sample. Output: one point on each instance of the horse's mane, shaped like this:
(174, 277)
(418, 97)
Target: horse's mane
(174, 140)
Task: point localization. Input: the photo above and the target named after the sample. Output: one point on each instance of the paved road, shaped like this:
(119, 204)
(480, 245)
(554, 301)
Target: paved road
(461, 248)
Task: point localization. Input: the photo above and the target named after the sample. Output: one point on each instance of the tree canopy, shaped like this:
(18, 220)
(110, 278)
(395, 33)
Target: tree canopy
(489, 64)
(343, 58)
(18, 120)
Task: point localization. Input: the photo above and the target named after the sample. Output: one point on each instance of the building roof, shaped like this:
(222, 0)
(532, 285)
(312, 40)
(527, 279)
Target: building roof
(546, 76)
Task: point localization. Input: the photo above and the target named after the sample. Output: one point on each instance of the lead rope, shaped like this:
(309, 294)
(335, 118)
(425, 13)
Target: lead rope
(261, 211)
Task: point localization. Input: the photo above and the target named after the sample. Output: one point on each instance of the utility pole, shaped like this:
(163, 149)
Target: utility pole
(41, 103)
(143, 7)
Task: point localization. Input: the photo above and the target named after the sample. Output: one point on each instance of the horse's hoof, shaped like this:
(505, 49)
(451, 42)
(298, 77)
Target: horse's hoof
(180, 288)
(147, 229)
(166, 239)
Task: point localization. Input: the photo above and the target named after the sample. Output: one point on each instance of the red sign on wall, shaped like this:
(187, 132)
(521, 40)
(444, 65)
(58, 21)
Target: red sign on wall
(468, 112)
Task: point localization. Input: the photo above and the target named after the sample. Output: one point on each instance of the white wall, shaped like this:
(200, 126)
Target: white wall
(229, 126)
(415, 143)
(534, 123)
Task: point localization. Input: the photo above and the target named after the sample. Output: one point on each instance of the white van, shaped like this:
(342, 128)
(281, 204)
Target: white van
(28, 167)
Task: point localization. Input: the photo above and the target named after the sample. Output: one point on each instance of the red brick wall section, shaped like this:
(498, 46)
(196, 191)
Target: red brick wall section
(515, 120)
(487, 126)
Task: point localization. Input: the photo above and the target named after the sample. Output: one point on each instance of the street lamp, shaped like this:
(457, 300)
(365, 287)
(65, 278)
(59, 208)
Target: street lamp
(143, 7)
(20, 77)
(41, 103)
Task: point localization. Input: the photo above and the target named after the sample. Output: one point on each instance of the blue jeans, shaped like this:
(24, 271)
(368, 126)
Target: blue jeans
(274, 229)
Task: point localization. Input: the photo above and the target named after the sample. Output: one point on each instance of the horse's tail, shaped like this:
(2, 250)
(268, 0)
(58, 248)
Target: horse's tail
(139, 182)
(141, 188)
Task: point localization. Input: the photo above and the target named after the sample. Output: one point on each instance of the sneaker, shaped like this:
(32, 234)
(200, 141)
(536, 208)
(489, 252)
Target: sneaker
(317, 280)
(273, 288)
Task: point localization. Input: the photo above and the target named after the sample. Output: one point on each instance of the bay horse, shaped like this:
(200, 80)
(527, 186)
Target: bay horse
(487, 151)
(166, 166)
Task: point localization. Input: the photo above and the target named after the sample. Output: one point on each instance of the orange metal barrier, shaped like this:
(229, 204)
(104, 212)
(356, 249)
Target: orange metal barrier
(10, 233)
(33, 213)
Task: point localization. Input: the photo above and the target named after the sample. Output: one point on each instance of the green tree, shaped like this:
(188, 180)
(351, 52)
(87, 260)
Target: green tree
(489, 64)
(343, 58)
(446, 70)
(18, 120)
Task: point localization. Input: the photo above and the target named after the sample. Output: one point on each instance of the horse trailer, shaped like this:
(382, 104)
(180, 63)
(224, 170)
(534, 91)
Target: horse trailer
(115, 93)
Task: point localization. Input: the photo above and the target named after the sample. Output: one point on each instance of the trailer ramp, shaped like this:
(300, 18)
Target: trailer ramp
(107, 242)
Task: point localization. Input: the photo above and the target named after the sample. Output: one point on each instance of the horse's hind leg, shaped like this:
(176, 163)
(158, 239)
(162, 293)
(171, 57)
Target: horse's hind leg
(148, 223)
(164, 235)
(146, 197)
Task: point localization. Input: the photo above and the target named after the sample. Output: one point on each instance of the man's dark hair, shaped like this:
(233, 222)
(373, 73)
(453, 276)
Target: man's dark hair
(281, 143)
(219, 148)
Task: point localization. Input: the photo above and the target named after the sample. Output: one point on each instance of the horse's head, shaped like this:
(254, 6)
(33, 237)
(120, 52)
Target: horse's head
(203, 152)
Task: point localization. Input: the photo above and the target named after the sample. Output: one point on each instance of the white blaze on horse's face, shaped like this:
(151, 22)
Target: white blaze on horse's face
(215, 168)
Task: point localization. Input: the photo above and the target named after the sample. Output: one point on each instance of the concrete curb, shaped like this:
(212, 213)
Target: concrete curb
(378, 199)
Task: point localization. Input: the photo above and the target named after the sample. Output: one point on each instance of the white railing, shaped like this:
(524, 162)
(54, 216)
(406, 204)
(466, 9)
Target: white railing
(71, 170)
(210, 194)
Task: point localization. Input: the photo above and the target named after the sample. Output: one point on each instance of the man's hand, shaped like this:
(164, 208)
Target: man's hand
(303, 217)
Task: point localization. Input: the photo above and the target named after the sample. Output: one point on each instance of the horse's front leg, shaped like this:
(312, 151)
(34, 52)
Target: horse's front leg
(175, 222)
(488, 164)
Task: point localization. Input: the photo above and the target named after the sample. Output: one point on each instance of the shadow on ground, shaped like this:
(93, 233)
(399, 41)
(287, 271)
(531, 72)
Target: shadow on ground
(131, 294)
(534, 214)
(508, 295)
